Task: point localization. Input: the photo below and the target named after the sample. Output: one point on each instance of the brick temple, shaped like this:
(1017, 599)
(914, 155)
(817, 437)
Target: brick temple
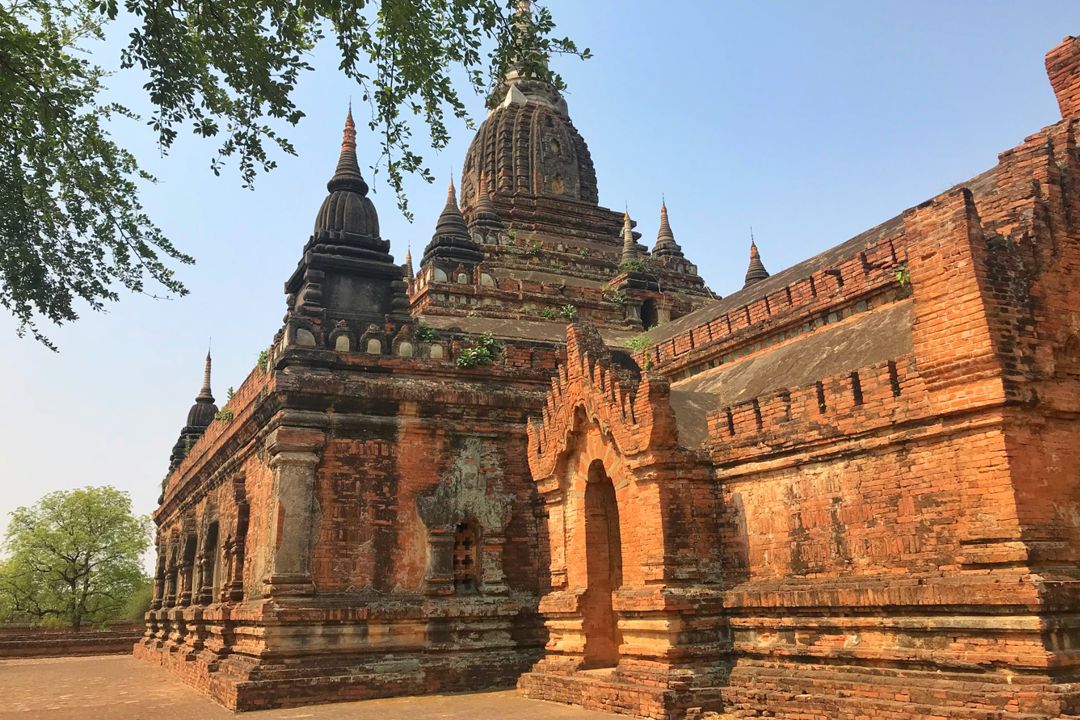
(847, 490)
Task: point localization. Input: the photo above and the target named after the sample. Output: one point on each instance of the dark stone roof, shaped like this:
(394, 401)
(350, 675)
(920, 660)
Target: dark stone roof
(665, 238)
(203, 411)
(347, 210)
(199, 417)
(451, 240)
(868, 338)
(484, 214)
(756, 271)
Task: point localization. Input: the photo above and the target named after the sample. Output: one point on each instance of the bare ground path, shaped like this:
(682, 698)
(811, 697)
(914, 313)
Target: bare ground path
(118, 687)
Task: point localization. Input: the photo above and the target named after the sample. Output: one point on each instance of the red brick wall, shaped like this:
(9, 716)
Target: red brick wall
(23, 642)
(1063, 67)
(867, 274)
(370, 533)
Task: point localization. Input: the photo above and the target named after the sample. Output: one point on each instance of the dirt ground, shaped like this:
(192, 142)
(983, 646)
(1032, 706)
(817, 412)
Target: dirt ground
(118, 687)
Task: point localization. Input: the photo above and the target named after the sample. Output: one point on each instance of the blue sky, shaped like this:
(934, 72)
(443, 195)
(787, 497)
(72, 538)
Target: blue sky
(809, 121)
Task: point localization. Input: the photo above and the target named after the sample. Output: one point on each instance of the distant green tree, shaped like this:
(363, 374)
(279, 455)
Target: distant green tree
(138, 603)
(73, 559)
(72, 227)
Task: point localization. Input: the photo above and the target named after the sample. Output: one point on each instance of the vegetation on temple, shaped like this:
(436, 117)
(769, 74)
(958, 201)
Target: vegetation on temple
(637, 265)
(482, 352)
(74, 559)
(425, 333)
(73, 231)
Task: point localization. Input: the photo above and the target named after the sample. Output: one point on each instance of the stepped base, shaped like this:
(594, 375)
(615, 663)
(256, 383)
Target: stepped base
(608, 690)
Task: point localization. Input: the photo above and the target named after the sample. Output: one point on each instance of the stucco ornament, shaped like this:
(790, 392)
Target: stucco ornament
(471, 488)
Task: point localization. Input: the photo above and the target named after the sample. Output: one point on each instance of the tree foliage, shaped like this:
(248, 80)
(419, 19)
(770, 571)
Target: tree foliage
(74, 559)
(71, 225)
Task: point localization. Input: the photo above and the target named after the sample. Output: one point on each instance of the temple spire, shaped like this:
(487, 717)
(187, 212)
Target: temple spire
(484, 215)
(629, 248)
(204, 392)
(665, 238)
(451, 240)
(756, 272)
(451, 221)
(408, 263)
(347, 175)
(523, 22)
(527, 72)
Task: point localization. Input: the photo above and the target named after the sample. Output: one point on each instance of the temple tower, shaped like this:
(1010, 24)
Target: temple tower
(347, 279)
(199, 417)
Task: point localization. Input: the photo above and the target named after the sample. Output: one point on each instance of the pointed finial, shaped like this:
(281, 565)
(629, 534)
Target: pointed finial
(483, 212)
(756, 271)
(664, 234)
(408, 262)
(348, 139)
(451, 223)
(204, 392)
(347, 175)
(665, 239)
(451, 240)
(629, 249)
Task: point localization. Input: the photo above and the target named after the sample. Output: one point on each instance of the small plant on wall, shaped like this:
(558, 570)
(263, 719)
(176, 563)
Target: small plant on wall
(263, 362)
(903, 276)
(638, 343)
(568, 312)
(612, 294)
(640, 265)
(482, 352)
(425, 333)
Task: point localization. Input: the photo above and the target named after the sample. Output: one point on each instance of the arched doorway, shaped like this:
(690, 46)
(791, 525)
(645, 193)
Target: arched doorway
(603, 560)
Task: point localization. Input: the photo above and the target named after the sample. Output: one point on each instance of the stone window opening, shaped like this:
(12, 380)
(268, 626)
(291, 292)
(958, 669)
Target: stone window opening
(466, 558)
(649, 316)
